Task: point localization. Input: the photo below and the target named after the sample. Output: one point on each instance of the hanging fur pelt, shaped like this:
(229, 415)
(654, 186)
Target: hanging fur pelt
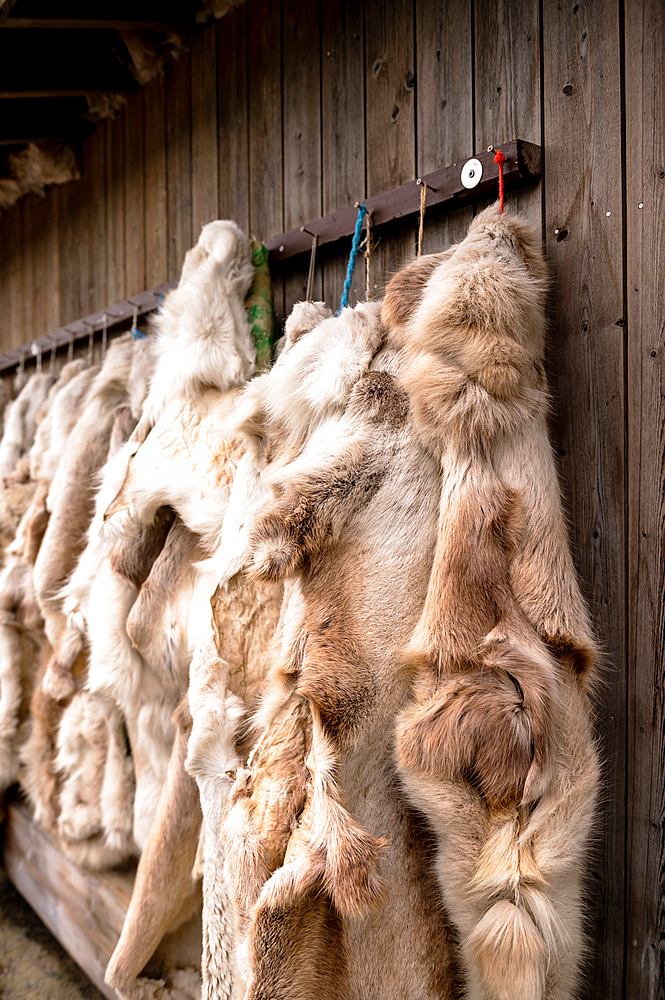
(22, 639)
(343, 496)
(204, 337)
(496, 748)
(71, 502)
(21, 420)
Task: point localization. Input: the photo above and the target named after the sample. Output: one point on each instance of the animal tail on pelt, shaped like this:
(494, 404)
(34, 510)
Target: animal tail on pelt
(520, 934)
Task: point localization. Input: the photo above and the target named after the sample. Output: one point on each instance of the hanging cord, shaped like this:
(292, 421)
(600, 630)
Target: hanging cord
(421, 220)
(36, 349)
(135, 332)
(51, 363)
(312, 264)
(70, 347)
(500, 159)
(105, 323)
(362, 212)
(369, 246)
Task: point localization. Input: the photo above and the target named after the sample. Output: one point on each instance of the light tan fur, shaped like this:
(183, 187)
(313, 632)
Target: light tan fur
(504, 634)
(305, 831)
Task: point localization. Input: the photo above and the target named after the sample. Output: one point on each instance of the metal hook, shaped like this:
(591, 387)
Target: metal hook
(36, 351)
(429, 187)
(91, 337)
(51, 363)
(312, 263)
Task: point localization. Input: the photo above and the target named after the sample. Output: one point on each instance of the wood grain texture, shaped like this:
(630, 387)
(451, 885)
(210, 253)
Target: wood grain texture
(266, 158)
(115, 207)
(390, 116)
(342, 128)
(444, 122)
(507, 79)
(156, 234)
(645, 238)
(205, 169)
(134, 196)
(178, 165)
(302, 134)
(94, 156)
(84, 912)
(232, 116)
(584, 203)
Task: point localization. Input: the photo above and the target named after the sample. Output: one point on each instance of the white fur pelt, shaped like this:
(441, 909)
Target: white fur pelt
(187, 462)
(21, 420)
(22, 639)
(204, 337)
(105, 416)
(53, 432)
(71, 498)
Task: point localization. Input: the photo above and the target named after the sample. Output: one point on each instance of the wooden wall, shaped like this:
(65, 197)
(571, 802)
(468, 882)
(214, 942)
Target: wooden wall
(285, 111)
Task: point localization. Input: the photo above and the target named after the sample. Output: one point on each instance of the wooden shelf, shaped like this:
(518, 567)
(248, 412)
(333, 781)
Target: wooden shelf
(84, 912)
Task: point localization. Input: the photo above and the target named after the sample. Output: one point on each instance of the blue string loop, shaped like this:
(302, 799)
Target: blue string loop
(362, 212)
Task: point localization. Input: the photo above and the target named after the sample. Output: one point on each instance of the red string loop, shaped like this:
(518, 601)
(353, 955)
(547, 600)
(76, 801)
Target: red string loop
(500, 159)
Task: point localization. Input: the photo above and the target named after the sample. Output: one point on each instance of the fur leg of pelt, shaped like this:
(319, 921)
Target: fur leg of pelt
(211, 759)
(512, 881)
(151, 733)
(18, 656)
(328, 846)
(117, 795)
(180, 984)
(164, 875)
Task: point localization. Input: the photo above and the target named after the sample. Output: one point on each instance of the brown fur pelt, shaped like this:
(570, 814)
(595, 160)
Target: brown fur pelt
(350, 518)
(503, 653)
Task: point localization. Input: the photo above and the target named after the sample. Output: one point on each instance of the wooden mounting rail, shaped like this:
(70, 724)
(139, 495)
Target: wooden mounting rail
(445, 192)
(80, 329)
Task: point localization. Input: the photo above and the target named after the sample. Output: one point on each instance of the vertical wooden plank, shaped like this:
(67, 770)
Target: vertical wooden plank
(156, 236)
(28, 224)
(5, 302)
(232, 120)
(342, 127)
(134, 197)
(645, 217)
(72, 278)
(302, 133)
(205, 170)
(95, 159)
(51, 272)
(266, 182)
(507, 79)
(178, 164)
(390, 122)
(581, 55)
(444, 81)
(115, 207)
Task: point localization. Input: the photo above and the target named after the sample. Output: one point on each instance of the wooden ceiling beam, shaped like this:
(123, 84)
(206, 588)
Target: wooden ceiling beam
(64, 92)
(92, 24)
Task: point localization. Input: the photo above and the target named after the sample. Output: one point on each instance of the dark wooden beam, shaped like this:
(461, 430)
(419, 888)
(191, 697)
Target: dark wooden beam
(91, 24)
(63, 92)
(445, 192)
(6, 8)
(55, 118)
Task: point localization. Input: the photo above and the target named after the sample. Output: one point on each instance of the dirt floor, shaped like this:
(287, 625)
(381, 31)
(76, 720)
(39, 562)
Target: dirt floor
(33, 966)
